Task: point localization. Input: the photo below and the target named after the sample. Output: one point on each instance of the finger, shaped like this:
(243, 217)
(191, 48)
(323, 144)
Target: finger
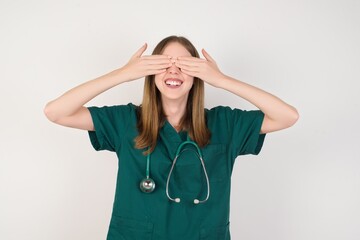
(158, 62)
(140, 51)
(190, 59)
(159, 66)
(155, 71)
(190, 73)
(207, 56)
(191, 63)
(182, 64)
(187, 65)
(149, 57)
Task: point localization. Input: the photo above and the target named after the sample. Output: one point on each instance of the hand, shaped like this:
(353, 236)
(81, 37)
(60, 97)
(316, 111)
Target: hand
(140, 66)
(205, 69)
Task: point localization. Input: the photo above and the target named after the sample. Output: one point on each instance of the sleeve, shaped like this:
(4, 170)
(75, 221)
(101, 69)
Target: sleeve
(110, 124)
(245, 135)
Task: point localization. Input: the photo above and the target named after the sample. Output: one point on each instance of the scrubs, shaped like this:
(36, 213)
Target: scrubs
(145, 216)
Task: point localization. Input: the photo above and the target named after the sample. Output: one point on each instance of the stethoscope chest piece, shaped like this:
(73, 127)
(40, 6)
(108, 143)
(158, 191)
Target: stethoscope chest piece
(147, 185)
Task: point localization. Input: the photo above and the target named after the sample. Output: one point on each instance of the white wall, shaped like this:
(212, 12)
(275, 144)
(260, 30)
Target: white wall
(304, 185)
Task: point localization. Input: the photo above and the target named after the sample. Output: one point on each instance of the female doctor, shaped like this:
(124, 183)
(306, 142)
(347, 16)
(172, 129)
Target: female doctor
(175, 158)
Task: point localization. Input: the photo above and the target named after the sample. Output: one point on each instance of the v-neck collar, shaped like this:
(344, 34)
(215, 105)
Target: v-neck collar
(170, 133)
(171, 139)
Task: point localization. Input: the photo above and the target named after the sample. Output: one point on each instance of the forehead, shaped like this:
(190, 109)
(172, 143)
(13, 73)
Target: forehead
(175, 49)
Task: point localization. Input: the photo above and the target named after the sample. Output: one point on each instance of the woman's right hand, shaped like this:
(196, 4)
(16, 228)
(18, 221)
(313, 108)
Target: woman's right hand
(68, 109)
(140, 66)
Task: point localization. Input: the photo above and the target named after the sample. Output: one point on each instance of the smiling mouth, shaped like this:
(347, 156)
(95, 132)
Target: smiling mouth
(173, 82)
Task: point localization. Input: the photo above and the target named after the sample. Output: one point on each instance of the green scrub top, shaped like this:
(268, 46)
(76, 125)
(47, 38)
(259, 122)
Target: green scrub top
(145, 216)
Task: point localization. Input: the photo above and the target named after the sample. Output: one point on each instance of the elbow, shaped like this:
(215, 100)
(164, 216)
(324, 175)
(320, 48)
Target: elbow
(293, 117)
(49, 113)
(287, 119)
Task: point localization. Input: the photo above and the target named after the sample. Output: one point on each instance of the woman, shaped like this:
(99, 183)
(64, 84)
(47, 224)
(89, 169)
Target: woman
(175, 157)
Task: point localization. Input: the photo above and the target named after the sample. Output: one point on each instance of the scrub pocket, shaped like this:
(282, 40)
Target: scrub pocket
(215, 233)
(189, 175)
(216, 162)
(129, 229)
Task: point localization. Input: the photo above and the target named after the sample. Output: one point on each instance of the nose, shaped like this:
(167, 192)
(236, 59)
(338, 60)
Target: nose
(174, 69)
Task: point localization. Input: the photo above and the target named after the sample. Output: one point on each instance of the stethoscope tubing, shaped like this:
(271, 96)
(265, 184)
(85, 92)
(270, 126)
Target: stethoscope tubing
(198, 153)
(147, 185)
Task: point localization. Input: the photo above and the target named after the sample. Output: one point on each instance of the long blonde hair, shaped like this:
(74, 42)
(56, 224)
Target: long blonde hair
(151, 116)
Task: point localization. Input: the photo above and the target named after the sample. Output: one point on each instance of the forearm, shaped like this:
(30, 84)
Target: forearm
(274, 108)
(71, 101)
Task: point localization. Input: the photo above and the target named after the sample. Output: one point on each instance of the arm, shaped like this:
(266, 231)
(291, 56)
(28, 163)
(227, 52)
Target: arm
(278, 114)
(68, 109)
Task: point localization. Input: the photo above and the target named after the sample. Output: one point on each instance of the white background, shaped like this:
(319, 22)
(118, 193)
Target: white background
(305, 184)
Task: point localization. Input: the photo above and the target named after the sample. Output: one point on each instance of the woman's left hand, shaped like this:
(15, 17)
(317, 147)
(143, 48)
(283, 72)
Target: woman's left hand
(205, 69)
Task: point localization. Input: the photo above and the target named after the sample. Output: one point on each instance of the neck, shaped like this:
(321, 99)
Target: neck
(174, 111)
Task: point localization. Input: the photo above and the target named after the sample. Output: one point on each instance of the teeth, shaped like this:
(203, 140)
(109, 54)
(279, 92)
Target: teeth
(173, 83)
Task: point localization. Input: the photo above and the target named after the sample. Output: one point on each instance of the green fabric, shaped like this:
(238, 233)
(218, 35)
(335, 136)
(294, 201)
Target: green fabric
(137, 215)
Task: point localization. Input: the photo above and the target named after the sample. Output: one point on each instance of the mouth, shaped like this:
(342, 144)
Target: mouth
(173, 82)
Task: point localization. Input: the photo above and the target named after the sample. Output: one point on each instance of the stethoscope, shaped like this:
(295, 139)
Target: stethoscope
(147, 185)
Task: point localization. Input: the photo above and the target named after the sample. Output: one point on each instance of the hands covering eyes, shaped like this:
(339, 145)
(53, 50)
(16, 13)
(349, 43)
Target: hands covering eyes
(140, 66)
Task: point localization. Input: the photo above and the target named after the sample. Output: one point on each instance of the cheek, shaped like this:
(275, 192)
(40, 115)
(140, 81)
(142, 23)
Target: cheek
(158, 79)
(189, 79)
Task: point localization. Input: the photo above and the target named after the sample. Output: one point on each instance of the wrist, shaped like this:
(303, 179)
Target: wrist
(223, 82)
(119, 76)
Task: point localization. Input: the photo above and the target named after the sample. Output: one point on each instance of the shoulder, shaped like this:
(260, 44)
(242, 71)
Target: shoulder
(114, 109)
(114, 114)
(227, 116)
(129, 107)
(221, 112)
(228, 111)
(219, 117)
(217, 109)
